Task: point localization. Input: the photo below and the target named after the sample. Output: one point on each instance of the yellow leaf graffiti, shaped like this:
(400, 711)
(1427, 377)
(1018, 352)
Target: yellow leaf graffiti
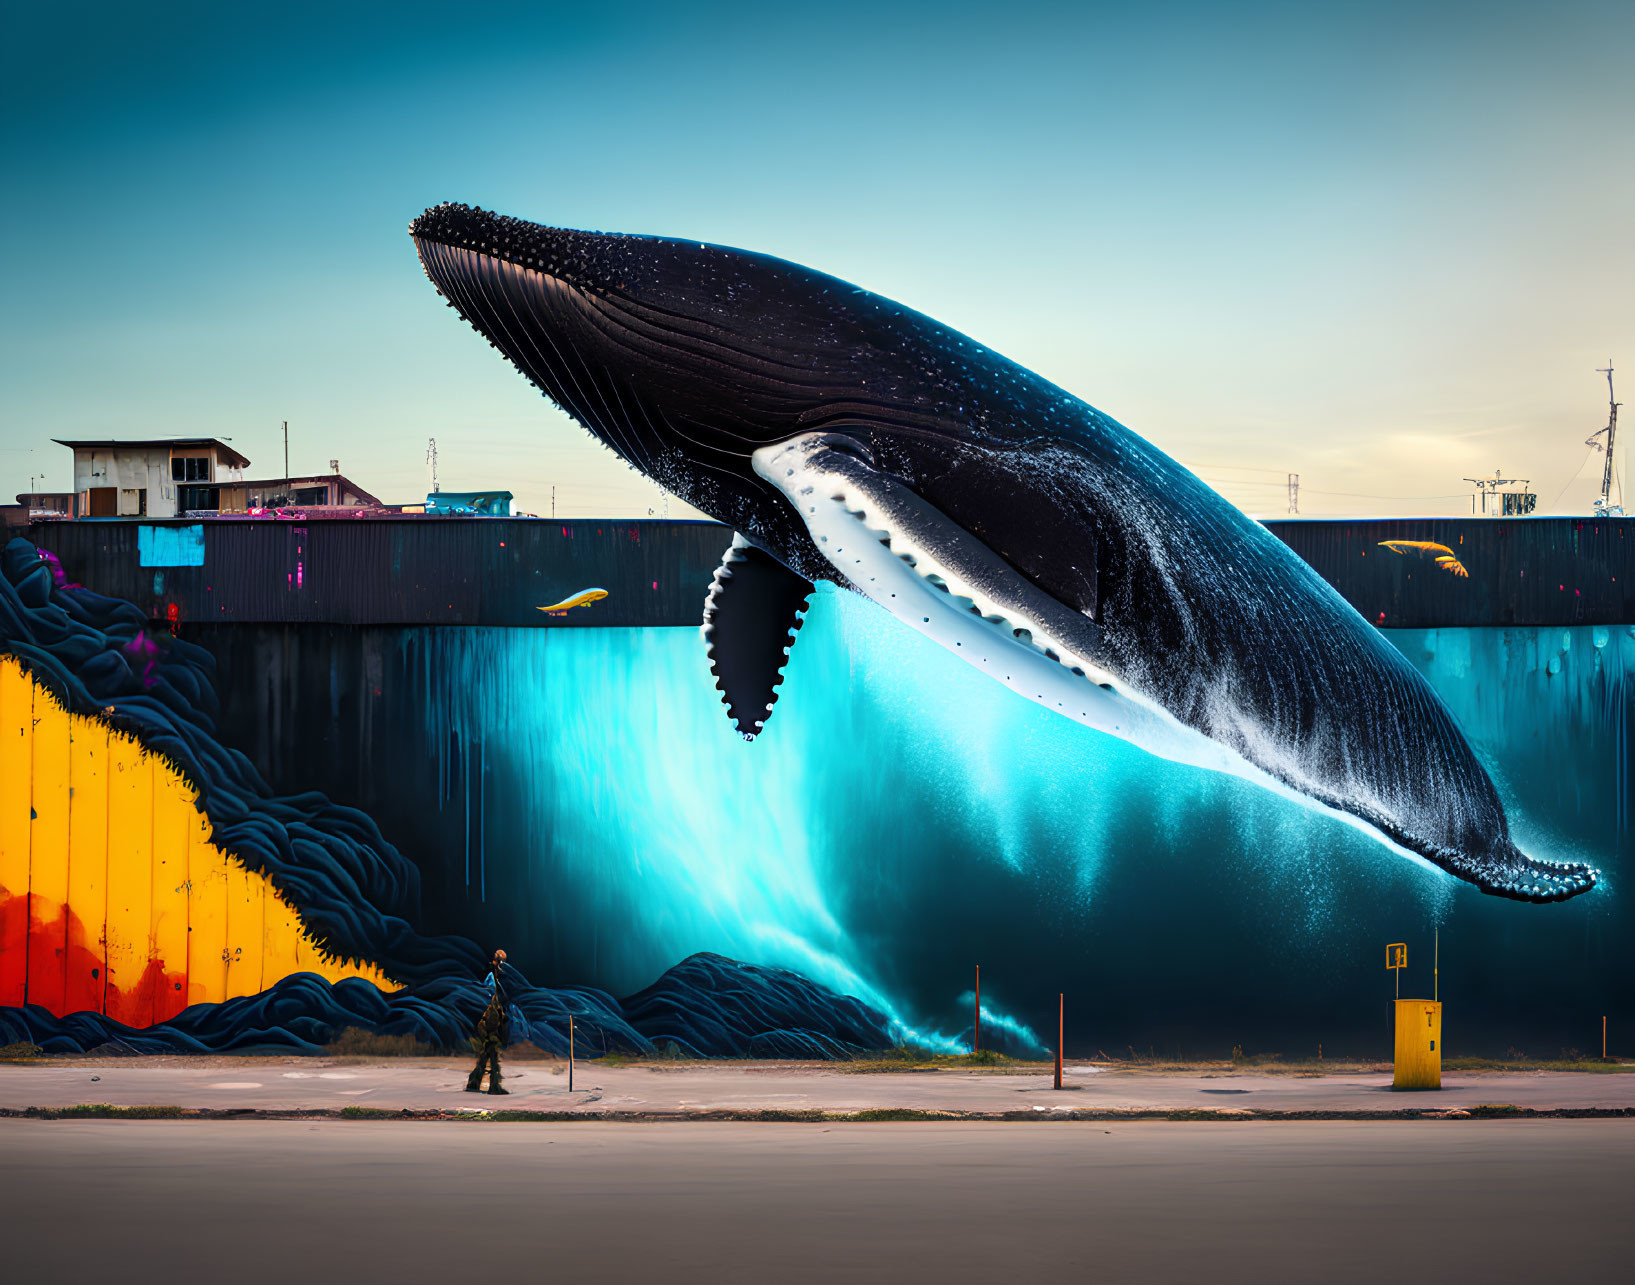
(1440, 553)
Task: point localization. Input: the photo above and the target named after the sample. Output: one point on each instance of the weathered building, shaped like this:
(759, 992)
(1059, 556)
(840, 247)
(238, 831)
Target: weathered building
(160, 478)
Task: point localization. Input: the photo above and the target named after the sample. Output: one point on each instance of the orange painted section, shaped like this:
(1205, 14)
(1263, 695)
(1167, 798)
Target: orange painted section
(113, 896)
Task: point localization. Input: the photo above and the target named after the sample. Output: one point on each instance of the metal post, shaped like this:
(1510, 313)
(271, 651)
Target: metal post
(1059, 1010)
(286, 455)
(976, 1034)
(570, 1052)
(1603, 1037)
(1436, 967)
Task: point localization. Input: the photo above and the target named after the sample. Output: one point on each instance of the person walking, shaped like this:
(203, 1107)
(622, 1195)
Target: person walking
(493, 1029)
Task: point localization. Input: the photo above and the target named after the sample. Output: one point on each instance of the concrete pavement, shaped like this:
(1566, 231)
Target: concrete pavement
(691, 1089)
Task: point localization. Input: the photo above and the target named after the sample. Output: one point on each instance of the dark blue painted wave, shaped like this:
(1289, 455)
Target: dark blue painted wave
(357, 894)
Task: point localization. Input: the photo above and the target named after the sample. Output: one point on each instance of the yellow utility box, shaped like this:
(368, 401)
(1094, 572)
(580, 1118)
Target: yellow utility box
(1419, 1045)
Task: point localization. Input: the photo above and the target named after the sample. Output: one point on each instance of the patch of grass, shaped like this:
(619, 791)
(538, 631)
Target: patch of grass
(615, 1057)
(368, 1113)
(20, 1052)
(886, 1115)
(528, 1051)
(1494, 1110)
(913, 1057)
(356, 1043)
(104, 1111)
(1591, 1065)
(526, 1117)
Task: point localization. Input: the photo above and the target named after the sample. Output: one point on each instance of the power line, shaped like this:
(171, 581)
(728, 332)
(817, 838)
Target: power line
(1350, 495)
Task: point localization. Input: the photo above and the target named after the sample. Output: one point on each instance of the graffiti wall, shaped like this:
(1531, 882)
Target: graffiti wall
(157, 893)
(113, 898)
(409, 796)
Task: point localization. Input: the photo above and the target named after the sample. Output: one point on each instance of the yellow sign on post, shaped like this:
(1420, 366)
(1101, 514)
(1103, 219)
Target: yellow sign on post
(1396, 959)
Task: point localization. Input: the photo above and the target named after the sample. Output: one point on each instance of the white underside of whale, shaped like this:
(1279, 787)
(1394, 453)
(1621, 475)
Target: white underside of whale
(914, 571)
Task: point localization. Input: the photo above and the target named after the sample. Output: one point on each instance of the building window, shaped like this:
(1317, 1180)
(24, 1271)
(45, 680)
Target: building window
(190, 468)
(197, 499)
(309, 496)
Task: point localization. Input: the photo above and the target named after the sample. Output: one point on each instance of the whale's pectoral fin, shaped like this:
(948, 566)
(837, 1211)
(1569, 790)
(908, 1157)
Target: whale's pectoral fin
(901, 550)
(754, 609)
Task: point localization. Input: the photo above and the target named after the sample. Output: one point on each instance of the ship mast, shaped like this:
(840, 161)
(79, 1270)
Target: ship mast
(1603, 503)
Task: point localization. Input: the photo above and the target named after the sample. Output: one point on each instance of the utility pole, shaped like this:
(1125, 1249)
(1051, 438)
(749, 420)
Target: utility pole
(1294, 493)
(1604, 507)
(976, 1032)
(553, 503)
(431, 459)
(286, 455)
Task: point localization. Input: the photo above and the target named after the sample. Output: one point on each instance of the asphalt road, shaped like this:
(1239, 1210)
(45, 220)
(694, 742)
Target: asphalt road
(136, 1201)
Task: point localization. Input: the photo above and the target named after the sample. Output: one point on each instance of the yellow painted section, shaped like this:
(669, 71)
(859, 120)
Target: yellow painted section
(16, 776)
(206, 915)
(279, 929)
(158, 917)
(1419, 1045)
(246, 904)
(130, 878)
(48, 852)
(88, 863)
(173, 813)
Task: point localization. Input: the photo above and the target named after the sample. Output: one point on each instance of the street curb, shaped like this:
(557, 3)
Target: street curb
(886, 1115)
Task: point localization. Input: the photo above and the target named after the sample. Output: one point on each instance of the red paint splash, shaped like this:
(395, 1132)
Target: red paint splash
(67, 972)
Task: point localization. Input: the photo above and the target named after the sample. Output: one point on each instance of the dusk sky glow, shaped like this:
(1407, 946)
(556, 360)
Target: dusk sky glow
(1383, 246)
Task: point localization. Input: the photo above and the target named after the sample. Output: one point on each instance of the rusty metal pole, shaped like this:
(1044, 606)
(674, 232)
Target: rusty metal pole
(976, 1030)
(1059, 1010)
(570, 1052)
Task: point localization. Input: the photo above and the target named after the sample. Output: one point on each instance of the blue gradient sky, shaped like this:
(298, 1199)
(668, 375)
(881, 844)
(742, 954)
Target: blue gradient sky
(1384, 246)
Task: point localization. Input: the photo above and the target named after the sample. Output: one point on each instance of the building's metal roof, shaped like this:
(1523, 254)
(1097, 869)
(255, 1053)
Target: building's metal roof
(317, 479)
(225, 453)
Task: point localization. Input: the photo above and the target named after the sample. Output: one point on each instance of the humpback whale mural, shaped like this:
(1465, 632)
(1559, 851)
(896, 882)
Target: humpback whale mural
(846, 437)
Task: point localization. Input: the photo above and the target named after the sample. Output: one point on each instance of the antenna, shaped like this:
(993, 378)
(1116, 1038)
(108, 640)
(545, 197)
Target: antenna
(1604, 507)
(1294, 493)
(431, 459)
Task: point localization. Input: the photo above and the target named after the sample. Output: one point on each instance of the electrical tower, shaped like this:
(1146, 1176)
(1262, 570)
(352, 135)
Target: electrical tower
(1489, 487)
(1294, 493)
(431, 461)
(1604, 507)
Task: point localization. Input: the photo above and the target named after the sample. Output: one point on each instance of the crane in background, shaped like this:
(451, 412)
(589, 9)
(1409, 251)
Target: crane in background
(1604, 507)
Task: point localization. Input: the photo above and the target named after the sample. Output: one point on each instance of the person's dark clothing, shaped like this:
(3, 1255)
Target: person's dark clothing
(493, 1030)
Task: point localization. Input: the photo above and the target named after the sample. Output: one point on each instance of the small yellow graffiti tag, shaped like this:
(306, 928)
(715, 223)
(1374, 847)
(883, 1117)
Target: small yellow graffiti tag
(581, 599)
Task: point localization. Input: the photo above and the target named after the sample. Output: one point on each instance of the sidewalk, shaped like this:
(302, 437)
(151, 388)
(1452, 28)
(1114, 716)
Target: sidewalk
(714, 1090)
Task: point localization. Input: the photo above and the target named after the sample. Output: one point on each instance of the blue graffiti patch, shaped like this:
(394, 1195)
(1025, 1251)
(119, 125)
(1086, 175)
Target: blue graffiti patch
(170, 546)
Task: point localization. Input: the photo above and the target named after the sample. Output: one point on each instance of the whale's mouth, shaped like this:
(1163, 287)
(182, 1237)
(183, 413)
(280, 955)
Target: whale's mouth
(904, 554)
